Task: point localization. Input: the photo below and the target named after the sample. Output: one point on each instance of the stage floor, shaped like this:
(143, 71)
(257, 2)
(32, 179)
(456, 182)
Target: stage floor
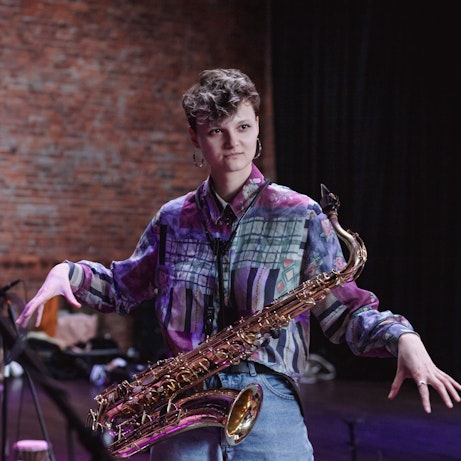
(347, 421)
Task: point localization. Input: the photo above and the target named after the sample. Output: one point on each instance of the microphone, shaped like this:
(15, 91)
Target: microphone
(7, 287)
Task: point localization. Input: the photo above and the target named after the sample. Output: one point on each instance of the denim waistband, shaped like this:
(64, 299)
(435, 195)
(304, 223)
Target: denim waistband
(245, 366)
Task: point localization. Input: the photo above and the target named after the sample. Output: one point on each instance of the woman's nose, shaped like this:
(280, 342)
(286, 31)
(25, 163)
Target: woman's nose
(231, 139)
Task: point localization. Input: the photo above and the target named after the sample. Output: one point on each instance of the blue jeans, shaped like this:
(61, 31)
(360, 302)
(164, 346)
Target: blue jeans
(279, 433)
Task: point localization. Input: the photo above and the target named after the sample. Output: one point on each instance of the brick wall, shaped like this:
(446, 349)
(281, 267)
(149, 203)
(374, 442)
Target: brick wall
(92, 135)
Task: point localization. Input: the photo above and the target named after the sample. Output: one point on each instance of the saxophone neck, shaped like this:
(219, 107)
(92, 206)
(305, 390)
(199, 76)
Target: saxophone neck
(328, 201)
(357, 251)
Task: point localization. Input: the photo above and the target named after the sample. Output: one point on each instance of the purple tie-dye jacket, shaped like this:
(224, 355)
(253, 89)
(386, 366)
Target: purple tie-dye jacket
(281, 241)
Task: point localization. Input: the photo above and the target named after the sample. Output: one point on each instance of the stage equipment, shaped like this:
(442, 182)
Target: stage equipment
(31, 450)
(17, 349)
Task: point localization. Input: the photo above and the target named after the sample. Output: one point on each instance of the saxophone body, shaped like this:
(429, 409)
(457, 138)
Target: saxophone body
(168, 397)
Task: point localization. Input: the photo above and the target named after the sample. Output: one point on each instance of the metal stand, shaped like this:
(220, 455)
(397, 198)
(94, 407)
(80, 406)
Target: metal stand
(351, 423)
(16, 348)
(33, 391)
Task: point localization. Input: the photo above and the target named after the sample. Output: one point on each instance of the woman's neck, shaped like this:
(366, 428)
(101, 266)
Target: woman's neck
(227, 188)
(229, 183)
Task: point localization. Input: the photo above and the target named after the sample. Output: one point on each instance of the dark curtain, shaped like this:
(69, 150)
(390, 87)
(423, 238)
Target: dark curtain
(366, 101)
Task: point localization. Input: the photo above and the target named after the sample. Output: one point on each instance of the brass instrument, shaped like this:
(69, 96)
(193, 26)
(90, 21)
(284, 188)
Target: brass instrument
(164, 399)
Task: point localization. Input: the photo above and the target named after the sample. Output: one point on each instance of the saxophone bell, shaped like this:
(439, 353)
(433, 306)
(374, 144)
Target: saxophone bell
(234, 411)
(243, 413)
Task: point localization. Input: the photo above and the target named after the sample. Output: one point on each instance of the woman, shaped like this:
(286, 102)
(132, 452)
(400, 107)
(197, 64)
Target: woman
(225, 251)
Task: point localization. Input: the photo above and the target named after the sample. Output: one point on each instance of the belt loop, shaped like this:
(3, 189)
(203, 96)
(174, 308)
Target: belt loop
(251, 367)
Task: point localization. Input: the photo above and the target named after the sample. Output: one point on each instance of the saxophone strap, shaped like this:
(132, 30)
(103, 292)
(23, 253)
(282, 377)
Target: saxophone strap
(219, 248)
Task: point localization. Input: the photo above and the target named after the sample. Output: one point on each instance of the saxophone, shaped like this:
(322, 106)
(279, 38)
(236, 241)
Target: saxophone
(168, 398)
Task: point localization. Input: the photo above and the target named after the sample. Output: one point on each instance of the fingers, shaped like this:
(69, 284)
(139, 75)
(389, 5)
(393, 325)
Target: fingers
(447, 388)
(425, 396)
(38, 319)
(32, 307)
(36, 306)
(414, 362)
(422, 388)
(71, 299)
(454, 389)
(56, 283)
(395, 387)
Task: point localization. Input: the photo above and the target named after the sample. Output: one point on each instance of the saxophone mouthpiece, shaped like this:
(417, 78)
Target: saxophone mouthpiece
(329, 201)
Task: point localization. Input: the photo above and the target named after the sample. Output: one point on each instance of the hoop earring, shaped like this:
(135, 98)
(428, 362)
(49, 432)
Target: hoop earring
(194, 159)
(259, 149)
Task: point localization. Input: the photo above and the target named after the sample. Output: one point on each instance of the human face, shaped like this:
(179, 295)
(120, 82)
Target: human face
(229, 145)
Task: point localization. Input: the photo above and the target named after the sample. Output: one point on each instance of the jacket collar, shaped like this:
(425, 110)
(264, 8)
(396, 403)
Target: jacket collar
(240, 202)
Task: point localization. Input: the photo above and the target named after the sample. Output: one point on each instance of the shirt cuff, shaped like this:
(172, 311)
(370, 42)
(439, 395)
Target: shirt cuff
(76, 275)
(392, 337)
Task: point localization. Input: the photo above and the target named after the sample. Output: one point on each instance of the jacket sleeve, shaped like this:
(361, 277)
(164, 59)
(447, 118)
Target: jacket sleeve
(125, 284)
(349, 313)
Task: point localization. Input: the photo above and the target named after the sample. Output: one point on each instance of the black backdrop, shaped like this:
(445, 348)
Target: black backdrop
(366, 99)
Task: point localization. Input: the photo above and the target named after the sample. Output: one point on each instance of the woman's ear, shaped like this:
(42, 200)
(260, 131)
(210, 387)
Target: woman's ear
(193, 137)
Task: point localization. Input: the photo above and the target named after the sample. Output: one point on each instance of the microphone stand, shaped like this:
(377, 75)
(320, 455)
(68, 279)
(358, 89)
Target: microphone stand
(32, 365)
(4, 300)
(5, 389)
(33, 391)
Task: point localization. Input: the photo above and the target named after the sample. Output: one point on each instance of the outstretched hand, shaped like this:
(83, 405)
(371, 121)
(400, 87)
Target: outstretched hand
(414, 362)
(56, 283)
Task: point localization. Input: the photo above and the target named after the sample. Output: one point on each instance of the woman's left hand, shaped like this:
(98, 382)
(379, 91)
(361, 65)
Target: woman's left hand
(414, 362)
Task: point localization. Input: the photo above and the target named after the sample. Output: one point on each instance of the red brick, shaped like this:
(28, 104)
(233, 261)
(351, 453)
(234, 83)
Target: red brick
(92, 135)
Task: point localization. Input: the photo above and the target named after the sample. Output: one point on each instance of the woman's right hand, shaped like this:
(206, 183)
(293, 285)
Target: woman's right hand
(56, 283)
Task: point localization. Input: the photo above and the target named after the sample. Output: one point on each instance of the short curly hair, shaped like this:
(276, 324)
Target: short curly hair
(217, 94)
